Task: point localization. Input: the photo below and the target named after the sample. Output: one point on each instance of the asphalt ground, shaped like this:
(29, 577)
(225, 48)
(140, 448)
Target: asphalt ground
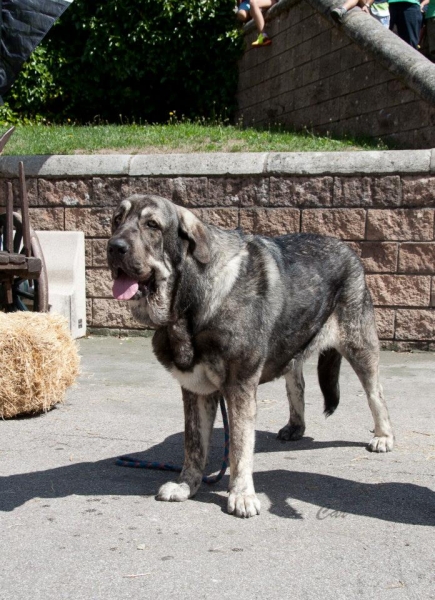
(337, 522)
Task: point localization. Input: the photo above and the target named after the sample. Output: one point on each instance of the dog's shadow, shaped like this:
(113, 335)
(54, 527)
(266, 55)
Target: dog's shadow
(397, 502)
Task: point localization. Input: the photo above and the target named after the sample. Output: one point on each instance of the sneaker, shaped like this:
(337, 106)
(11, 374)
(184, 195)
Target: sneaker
(338, 13)
(262, 40)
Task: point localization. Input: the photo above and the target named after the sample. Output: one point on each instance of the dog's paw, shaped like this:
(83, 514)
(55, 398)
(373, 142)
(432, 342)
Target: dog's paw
(291, 433)
(243, 505)
(383, 443)
(173, 492)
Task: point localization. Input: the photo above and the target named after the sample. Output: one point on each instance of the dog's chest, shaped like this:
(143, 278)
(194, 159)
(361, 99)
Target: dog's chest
(174, 349)
(200, 380)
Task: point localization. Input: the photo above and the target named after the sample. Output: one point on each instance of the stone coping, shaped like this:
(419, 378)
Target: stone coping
(393, 53)
(225, 164)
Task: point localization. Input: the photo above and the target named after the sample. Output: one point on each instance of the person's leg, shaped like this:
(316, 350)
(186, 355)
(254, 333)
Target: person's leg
(351, 4)
(413, 19)
(257, 14)
(338, 13)
(407, 18)
(397, 19)
(393, 16)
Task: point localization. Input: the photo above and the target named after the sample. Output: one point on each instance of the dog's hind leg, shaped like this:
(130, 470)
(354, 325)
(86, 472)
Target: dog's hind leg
(199, 416)
(358, 342)
(295, 386)
(366, 366)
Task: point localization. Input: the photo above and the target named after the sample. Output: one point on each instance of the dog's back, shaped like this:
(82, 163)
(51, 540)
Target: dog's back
(301, 282)
(327, 302)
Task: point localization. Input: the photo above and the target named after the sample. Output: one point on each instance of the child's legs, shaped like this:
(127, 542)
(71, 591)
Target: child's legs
(350, 4)
(256, 13)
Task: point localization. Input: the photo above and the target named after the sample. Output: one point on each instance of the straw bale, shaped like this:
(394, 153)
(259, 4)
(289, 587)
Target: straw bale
(38, 362)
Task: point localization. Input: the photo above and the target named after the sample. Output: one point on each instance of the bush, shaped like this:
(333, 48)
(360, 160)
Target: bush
(137, 58)
(34, 92)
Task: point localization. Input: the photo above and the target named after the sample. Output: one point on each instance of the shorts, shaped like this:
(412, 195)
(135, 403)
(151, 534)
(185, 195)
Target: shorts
(384, 20)
(244, 6)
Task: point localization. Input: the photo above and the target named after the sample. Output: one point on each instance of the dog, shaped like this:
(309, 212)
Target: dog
(233, 310)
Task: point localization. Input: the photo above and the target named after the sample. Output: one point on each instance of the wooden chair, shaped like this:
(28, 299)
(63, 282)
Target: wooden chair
(23, 276)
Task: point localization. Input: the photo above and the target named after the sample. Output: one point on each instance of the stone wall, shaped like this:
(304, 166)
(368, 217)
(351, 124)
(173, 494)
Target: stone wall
(381, 203)
(358, 79)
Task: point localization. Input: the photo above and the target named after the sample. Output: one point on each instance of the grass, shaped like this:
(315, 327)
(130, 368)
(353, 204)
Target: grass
(175, 137)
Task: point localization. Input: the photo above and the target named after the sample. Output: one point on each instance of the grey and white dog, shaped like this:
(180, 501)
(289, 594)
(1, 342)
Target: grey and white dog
(233, 310)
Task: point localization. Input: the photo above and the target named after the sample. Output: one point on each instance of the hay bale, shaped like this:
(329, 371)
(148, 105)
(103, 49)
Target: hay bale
(38, 362)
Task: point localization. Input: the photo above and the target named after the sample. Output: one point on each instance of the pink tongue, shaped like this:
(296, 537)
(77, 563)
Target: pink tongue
(124, 288)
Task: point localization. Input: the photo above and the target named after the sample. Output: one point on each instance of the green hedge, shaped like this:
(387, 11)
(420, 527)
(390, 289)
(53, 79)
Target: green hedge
(133, 60)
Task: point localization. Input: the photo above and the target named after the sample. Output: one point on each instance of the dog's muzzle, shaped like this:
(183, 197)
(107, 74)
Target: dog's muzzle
(127, 285)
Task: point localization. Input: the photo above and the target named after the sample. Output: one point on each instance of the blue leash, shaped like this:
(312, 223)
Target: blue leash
(129, 461)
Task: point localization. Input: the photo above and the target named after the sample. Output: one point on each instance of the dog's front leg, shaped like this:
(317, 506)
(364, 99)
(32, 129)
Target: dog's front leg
(199, 416)
(242, 409)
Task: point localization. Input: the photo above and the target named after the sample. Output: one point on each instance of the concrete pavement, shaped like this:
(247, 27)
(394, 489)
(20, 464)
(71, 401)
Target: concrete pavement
(337, 522)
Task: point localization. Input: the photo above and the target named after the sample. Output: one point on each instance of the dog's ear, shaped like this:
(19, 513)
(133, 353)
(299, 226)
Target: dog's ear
(192, 229)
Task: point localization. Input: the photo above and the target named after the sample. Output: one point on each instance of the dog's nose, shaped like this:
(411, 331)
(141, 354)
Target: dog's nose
(118, 246)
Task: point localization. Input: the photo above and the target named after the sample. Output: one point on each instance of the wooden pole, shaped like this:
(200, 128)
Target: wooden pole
(27, 249)
(9, 233)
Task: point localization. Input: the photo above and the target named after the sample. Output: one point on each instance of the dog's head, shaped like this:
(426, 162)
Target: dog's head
(151, 240)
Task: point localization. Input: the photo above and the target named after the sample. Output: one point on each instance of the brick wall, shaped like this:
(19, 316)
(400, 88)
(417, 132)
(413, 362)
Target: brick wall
(315, 76)
(388, 219)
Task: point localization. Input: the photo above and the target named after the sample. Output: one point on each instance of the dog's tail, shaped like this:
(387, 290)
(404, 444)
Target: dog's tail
(328, 371)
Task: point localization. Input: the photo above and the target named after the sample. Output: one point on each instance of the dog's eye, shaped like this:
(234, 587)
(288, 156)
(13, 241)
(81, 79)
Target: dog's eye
(117, 220)
(152, 225)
